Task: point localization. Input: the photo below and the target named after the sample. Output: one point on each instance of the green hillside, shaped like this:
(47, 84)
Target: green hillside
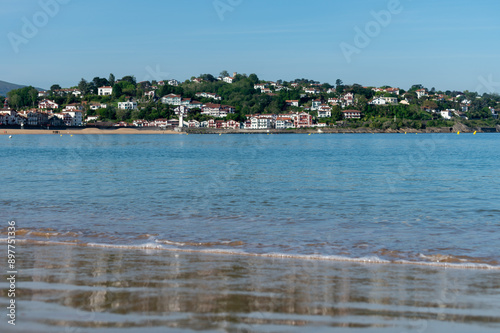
(5, 87)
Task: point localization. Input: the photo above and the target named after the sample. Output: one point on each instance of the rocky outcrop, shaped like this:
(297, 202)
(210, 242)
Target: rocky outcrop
(459, 127)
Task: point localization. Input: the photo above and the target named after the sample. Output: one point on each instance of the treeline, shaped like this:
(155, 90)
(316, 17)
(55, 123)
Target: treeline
(23, 97)
(247, 100)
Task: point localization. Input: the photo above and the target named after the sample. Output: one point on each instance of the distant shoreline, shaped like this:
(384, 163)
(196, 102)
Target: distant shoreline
(74, 131)
(363, 130)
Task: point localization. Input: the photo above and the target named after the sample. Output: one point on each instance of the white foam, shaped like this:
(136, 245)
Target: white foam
(150, 246)
(367, 260)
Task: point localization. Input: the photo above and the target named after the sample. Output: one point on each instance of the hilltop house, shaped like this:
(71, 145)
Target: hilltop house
(105, 91)
(172, 99)
(421, 93)
(173, 82)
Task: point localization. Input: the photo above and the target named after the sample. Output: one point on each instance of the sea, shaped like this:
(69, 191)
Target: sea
(250, 233)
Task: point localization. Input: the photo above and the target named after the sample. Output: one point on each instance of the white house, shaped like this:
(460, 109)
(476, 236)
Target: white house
(150, 94)
(127, 105)
(333, 101)
(384, 101)
(315, 104)
(421, 93)
(348, 99)
(283, 123)
(217, 110)
(48, 104)
(377, 101)
(173, 82)
(228, 79)
(352, 114)
(391, 100)
(73, 107)
(105, 91)
(392, 91)
(71, 118)
(208, 95)
(96, 106)
(259, 86)
(172, 99)
(260, 123)
(324, 111)
(311, 91)
(195, 105)
(292, 103)
(446, 114)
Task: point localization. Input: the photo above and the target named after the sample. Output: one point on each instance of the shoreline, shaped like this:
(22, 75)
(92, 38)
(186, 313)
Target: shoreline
(362, 130)
(83, 131)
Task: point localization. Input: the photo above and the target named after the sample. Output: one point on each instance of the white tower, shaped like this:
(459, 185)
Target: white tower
(182, 109)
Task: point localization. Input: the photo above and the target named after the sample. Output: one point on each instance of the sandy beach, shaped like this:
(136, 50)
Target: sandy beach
(74, 131)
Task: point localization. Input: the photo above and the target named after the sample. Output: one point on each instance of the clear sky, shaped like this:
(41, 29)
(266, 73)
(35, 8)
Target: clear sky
(443, 44)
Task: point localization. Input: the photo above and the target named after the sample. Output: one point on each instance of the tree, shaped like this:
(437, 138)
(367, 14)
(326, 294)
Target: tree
(253, 78)
(129, 79)
(100, 82)
(416, 87)
(338, 83)
(122, 115)
(111, 79)
(208, 77)
(337, 113)
(23, 97)
(14, 100)
(33, 93)
(55, 87)
(430, 105)
(360, 102)
(83, 86)
(117, 91)
(224, 73)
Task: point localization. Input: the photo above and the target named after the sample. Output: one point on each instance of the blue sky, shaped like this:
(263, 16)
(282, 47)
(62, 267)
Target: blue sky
(442, 44)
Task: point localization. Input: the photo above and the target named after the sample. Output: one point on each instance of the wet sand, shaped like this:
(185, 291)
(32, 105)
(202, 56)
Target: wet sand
(85, 289)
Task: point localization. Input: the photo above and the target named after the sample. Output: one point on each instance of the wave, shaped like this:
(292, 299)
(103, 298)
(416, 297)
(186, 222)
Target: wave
(444, 261)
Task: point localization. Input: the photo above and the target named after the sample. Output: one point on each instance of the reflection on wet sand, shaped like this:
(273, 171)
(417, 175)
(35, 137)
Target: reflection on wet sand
(95, 288)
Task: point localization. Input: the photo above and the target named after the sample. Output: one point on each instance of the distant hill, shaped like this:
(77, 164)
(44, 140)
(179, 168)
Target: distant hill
(5, 87)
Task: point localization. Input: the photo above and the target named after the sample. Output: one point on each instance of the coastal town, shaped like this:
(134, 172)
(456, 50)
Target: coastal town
(241, 102)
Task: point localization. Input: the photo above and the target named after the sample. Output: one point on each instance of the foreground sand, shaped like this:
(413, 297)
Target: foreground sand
(85, 131)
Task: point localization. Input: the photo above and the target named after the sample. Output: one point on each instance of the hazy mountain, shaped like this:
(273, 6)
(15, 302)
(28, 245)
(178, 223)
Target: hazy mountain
(5, 87)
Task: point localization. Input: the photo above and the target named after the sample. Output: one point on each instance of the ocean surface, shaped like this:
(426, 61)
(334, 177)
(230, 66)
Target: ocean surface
(253, 233)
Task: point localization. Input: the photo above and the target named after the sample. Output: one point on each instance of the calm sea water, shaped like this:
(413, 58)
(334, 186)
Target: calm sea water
(254, 232)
